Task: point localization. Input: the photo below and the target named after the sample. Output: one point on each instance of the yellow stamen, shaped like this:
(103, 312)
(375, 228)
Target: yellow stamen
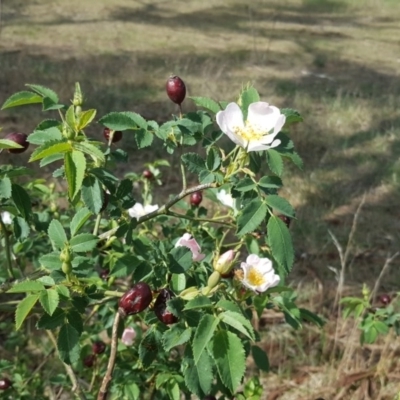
(250, 132)
(254, 277)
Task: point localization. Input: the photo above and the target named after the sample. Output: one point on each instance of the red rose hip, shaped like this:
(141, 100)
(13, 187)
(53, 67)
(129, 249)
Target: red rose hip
(5, 383)
(148, 174)
(176, 89)
(196, 198)
(116, 137)
(135, 300)
(19, 138)
(160, 307)
(285, 219)
(98, 347)
(385, 299)
(89, 360)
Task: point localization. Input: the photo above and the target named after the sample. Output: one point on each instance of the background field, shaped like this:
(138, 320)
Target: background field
(336, 61)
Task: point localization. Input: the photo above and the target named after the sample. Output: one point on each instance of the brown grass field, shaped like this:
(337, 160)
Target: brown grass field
(336, 61)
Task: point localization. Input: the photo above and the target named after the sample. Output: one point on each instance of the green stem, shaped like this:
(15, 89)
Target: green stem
(97, 225)
(8, 249)
(184, 183)
(174, 214)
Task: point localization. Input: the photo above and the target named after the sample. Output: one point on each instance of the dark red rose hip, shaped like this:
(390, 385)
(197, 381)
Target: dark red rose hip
(89, 360)
(209, 397)
(196, 198)
(116, 137)
(160, 307)
(148, 174)
(98, 347)
(5, 383)
(135, 299)
(285, 219)
(19, 138)
(176, 89)
(385, 299)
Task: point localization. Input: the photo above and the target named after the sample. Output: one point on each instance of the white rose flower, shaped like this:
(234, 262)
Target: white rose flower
(258, 132)
(138, 210)
(226, 198)
(128, 336)
(6, 217)
(259, 274)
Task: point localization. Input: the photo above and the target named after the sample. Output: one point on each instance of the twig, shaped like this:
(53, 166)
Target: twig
(177, 215)
(383, 271)
(111, 361)
(70, 372)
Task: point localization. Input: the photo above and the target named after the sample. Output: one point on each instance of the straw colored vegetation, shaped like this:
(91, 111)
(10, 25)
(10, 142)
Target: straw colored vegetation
(336, 61)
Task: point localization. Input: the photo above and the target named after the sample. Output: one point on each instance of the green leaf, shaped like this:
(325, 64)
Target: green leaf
(309, 316)
(75, 320)
(90, 150)
(245, 184)
(229, 357)
(86, 118)
(75, 167)
(48, 104)
(143, 138)
(291, 115)
(47, 135)
(26, 286)
(149, 348)
(83, 242)
(198, 302)
(203, 335)
(50, 148)
(21, 200)
(280, 205)
(178, 282)
(280, 243)
(228, 305)
(180, 260)
(122, 121)
(239, 322)
(50, 159)
(5, 188)
(92, 194)
(51, 261)
(260, 358)
(68, 344)
(49, 300)
(198, 377)
(251, 216)
(207, 103)
(79, 220)
(20, 99)
(126, 265)
(248, 96)
(23, 309)
(270, 182)
(275, 162)
(213, 160)
(21, 228)
(193, 162)
(176, 336)
(70, 118)
(57, 234)
(52, 321)
(44, 92)
(9, 144)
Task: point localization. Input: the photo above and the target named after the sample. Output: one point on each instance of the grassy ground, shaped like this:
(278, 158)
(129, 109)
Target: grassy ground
(336, 61)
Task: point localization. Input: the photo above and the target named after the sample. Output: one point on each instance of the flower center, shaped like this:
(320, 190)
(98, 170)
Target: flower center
(250, 132)
(255, 277)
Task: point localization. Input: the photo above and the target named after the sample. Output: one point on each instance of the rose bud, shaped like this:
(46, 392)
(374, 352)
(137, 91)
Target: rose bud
(160, 307)
(176, 89)
(19, 138)
(128, 336)
(135, 299)
(225, 262)
(148, 174)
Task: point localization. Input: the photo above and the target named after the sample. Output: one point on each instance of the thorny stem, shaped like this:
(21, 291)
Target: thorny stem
(7, 245)
(173, 214)
(164, 209)
(70, 372)
(111, 361)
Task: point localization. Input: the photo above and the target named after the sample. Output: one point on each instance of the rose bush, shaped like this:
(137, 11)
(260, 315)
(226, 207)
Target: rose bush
(170, 290)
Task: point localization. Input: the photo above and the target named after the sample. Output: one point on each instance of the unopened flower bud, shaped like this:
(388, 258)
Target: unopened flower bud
(225, 262)
(189, 293)
(213, 280)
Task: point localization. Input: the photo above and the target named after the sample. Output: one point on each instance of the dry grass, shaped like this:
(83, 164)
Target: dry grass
(337, 61)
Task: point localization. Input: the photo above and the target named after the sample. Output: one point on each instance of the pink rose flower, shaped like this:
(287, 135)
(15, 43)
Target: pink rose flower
(187, 241)
(128, 336)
